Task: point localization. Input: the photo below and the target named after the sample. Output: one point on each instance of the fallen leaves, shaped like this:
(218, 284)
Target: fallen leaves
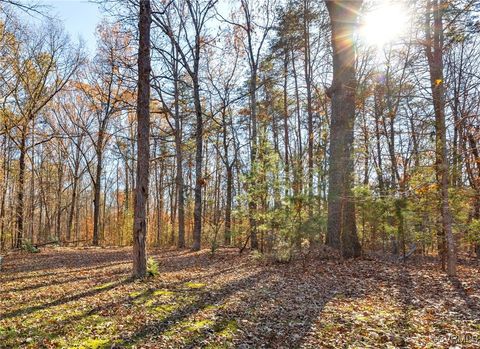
(67, 298)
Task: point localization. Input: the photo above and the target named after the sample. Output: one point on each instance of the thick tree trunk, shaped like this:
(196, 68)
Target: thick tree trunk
(200, 181)
(143, 143)
(434, 49)
(341, 228)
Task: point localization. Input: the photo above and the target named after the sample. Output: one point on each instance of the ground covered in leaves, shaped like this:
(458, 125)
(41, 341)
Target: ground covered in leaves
(83, 298)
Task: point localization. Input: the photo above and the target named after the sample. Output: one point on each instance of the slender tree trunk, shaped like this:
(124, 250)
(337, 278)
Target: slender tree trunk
(227, 235)
(341, 228)
(474, 179)
(32, 188)
(228, 207)
(97, 186)
(286, 140)
(58, 220)
(143, 143)
(308, 85)
(161, 202)
(74, 192)
(104, 218)
(297, 110)
(252, 205)
(20, 189)
(378, 110)
(5, 178)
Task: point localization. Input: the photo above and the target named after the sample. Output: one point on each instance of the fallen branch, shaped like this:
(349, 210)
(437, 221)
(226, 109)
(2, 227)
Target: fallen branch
(46, 243)
(246, 242)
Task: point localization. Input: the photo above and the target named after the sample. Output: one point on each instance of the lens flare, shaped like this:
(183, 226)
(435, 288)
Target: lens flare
(384, 24)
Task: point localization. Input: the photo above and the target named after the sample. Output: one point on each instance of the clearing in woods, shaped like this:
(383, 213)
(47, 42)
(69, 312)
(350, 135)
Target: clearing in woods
(72, 298)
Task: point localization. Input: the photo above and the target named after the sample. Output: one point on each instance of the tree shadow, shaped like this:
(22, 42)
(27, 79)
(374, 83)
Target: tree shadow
(52, 260)
(63, 300)
(15, 278)
(58, 325)
(206, 299)
(405, 286)
(472, 304)
(272, 306)
(57, 282)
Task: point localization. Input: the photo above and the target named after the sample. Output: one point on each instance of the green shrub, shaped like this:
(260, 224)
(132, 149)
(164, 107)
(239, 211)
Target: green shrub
(257, 255)
(152, 267)
(283, 252)
(27, 246)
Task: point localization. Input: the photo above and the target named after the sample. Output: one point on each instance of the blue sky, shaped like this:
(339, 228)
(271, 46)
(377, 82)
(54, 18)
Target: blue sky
(79, 17)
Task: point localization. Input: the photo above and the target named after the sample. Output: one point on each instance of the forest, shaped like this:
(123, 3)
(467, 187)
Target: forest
(241, 174)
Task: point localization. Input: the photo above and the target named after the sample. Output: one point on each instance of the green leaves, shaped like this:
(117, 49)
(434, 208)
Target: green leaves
(152, 267)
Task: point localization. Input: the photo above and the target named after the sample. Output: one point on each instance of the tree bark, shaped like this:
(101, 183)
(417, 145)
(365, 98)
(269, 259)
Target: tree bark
(179, 154)
(20, 189)
(97, 189)
(434, 50)
(341, 228)
(76, 178)
(252, 205)
(308, 86)
(143, 143)
(286, 140)
(199, 181)
(58, 218)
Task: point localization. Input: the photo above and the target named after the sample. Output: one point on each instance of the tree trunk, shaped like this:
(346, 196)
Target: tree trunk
(143, 143)
(5, 178)
(20, 189)
(58, 220)
(286, 140)
(97, 189)
(179, 154)
(252, 205)
(434, 48)
(228, 207)
(199, 181)
(308, 85)
(74, 192)
(341, 228)
(227, 234)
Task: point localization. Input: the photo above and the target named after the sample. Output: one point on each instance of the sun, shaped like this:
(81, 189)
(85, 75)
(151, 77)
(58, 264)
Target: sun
(384, 23)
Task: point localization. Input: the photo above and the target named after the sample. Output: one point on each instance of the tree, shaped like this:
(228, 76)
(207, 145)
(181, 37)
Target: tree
(341, 229)
(42, 66)
(106, 88)
(143, 141)
(172, 65)
(193, 21)
(254, 32)
(434, 50)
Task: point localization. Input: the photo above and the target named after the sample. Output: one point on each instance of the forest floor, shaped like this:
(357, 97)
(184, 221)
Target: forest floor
(84, 298)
